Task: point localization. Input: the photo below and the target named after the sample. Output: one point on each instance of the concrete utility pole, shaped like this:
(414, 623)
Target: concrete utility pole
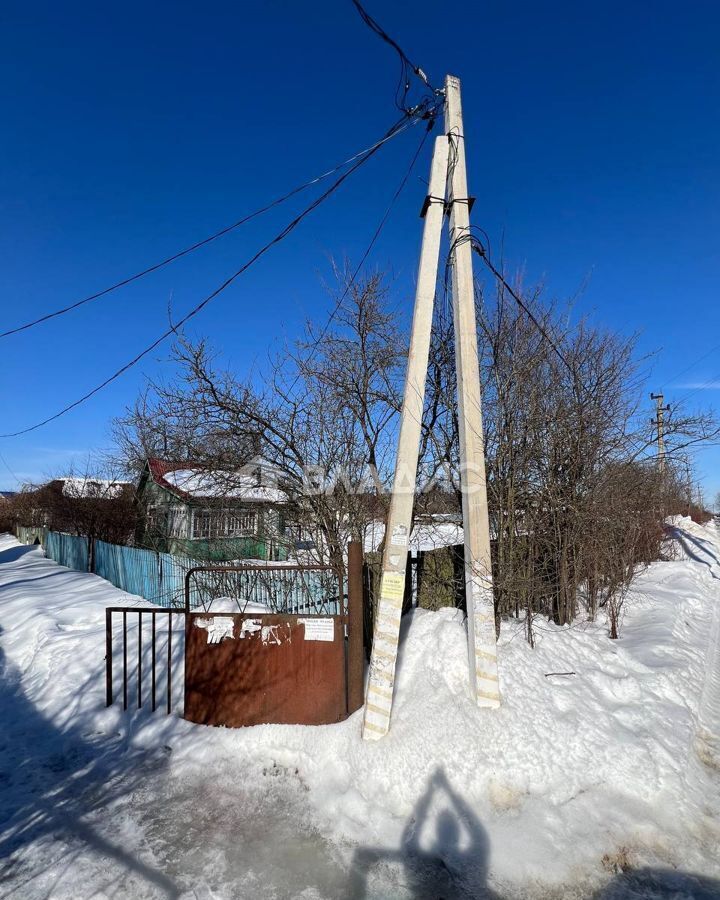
(484, 682)
(659, 423)
(378, 701)
(447, 174)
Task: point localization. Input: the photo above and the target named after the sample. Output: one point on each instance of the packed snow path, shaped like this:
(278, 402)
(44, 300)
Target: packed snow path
(605, 783)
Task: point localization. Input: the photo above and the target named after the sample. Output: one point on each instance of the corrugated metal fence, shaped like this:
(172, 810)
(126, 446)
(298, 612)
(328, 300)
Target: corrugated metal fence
(160, 577)
(68, 550)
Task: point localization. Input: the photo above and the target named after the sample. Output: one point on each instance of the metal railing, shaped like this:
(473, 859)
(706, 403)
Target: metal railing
(285, 589)
(140, 669)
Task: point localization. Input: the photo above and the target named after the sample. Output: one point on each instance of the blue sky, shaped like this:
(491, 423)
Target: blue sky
(131, 130)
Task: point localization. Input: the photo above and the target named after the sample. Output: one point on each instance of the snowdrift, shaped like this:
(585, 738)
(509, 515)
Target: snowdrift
(576, 778)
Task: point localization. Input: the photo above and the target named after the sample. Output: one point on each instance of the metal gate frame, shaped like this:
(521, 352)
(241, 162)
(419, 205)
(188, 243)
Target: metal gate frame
(139, 611)
(348, 626)
(254, 682)
(259, 567)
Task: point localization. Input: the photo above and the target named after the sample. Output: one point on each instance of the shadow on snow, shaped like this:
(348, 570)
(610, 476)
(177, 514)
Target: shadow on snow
(57, 782)
(53, 780)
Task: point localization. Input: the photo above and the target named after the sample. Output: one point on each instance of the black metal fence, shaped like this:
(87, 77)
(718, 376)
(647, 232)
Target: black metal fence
(281, 588)
(150, 658)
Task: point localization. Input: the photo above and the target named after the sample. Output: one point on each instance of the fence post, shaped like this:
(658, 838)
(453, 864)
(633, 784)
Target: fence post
(419, 570)
(356, 662)
(458, 561)
(368, 610)
(408, 588)
(108, 658)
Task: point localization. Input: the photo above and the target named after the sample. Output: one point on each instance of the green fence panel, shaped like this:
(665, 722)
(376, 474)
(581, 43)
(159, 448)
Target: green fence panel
(131, 569)
(160, 577)
(68, 550)
(28, 534)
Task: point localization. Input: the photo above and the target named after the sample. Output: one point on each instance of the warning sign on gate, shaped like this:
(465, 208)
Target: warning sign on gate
(319, 629)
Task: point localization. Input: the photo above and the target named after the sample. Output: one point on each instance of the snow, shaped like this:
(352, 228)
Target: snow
(228, 485)
(231, 605)
(439, 531)
(573, 780)
(92, 487)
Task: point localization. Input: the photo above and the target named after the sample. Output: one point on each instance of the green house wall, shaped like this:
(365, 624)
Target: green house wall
(259, 546)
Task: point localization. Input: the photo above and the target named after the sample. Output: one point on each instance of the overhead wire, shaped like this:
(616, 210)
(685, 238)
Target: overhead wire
(207, 240)
(7, 466)
(424, 111)
(481, 251)
(478, 248)
(693, 364)
(349, 284)
(406, 64)
(700, 387)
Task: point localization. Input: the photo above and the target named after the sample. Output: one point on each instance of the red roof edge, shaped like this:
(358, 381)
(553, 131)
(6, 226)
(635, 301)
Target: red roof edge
(159, 468)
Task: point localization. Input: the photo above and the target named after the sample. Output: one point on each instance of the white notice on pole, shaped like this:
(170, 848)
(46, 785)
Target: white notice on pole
(319, 629)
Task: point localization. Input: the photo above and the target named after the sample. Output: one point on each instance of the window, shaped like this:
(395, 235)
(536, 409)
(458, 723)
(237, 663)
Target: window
(168, 521)
(301, 537)
(177, 521)
(237, 522)
(156, 520)
(221, 523)
(201, 523)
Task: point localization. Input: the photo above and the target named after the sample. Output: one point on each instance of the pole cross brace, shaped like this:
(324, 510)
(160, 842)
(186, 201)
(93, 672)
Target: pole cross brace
(446, 204)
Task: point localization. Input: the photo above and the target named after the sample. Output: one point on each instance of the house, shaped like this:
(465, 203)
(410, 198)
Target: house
(94, 507)
(212, 515)
(86, 488)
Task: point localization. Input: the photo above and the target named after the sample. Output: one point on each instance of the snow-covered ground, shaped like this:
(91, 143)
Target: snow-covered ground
(603, 783)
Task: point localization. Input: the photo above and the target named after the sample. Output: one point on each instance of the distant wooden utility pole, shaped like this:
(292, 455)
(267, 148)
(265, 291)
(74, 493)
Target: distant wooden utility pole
(659, 423)
(448, 177)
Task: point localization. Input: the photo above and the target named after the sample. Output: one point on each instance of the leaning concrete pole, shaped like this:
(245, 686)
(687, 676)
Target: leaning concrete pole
(482, 647)
(378, 700)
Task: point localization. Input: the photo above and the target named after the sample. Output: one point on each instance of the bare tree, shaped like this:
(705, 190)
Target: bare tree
(577, 502)
(94, 502)
(323, 417)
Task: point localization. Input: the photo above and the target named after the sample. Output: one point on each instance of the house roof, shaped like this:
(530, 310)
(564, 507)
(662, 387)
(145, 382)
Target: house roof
(196, 483)
(82, 488)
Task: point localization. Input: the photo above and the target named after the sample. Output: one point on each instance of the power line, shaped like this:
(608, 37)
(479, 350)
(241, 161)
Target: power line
(213, 237)
(693, 364)
(406, 64)
(373, 240)
(526, 309)
(700, 387)
(478, 247)
(424, 111)
(7, 466)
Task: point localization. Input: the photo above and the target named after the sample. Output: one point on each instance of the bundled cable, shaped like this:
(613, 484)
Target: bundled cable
(427, 111)
(393, 132)
(407, 67)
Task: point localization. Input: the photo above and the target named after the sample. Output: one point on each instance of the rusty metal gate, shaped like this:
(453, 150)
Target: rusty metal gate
(278, 644)
(254, 669)
(283, 662)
